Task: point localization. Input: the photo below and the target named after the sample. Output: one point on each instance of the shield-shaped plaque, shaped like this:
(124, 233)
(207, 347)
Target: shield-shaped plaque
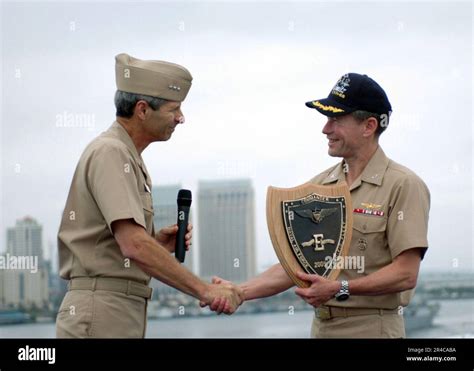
(310, 227)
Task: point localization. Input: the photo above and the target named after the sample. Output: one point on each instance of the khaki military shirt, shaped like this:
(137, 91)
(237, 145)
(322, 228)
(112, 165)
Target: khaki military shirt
(110, 183)
(391, 205)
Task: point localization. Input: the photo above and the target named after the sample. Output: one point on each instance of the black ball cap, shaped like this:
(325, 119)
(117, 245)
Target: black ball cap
(184, 197)
(353, 92)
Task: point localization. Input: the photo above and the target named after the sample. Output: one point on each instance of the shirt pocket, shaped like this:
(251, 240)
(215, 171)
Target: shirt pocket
(367, 224)
(369, 239)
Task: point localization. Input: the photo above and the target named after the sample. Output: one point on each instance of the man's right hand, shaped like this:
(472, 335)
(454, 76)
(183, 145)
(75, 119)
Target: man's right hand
(223, 296)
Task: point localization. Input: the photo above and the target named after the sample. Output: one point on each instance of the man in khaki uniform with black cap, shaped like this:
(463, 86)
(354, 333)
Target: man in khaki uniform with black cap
(391, 205)
(108, 248)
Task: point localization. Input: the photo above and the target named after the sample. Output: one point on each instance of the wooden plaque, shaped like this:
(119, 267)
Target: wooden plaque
(310, 227)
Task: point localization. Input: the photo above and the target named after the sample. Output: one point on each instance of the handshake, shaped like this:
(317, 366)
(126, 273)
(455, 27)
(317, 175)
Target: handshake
(222, 296)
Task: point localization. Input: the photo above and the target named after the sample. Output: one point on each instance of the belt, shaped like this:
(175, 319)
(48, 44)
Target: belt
(111, 284)
(324, 313)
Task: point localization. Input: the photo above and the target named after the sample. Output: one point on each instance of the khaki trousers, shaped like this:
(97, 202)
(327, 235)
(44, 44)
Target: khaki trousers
(365, 326)
(101, 314)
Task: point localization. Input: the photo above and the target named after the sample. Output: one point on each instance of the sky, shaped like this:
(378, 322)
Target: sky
(254, 65)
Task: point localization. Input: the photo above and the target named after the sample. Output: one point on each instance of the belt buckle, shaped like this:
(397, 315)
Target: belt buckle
(323, 313)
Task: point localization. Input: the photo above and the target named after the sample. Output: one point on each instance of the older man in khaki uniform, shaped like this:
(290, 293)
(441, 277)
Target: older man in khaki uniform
(108, 249)
(391, 205)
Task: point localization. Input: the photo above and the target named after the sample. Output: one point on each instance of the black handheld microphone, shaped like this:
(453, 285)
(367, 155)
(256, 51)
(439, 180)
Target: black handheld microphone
(184, 203)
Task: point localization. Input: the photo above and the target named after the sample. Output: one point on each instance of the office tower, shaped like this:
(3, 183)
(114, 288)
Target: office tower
(226, 222)
(25, 284)
(25, 239)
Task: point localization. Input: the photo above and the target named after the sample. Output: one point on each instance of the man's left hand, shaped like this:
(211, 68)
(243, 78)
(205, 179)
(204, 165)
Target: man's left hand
(166, 237)
(320, 291)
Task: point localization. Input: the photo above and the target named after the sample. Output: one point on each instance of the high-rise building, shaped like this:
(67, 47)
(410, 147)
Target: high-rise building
(166, 213)
(25, 284)
(25, 239)
(226, 219)
(24, 288)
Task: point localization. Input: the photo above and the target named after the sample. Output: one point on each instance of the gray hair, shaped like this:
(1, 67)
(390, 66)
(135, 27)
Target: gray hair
(125, 102)
(364, 115)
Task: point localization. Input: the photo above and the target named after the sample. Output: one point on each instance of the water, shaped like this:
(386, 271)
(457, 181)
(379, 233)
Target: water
(267, 325)
(455, 319)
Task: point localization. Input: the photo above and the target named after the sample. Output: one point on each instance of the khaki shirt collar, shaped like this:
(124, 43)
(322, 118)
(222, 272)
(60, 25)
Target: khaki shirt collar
(373, 172)
(122, 134)
(376, 168)
(119, 131)
(337, 174)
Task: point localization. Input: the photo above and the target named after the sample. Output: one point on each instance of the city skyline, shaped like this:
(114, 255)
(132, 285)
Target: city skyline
(165, 211)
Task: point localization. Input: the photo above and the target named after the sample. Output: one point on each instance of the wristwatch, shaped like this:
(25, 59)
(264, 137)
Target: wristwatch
(343, 293)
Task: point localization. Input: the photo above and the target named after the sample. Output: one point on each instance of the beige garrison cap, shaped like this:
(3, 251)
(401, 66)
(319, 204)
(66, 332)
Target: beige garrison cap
(155, 78)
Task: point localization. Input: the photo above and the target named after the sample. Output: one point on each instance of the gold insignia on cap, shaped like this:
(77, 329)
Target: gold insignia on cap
(327, 108)
(151, 77)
